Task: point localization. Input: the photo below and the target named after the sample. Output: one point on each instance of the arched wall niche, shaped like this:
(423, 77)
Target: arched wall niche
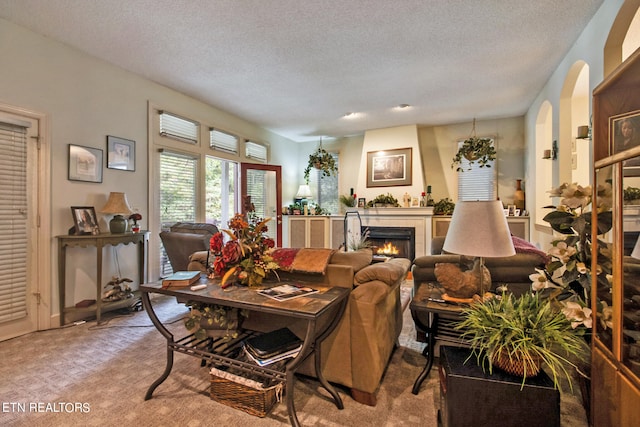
(574, 155)
(624, 28)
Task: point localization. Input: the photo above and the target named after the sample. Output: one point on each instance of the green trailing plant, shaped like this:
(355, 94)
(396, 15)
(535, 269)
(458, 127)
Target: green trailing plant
(443, 207)
(383, 199)
(322, 160)
(526, 328)
(203, 318)
(475, 149)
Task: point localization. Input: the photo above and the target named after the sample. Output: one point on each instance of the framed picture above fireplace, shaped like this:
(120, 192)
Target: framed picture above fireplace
(389, 168)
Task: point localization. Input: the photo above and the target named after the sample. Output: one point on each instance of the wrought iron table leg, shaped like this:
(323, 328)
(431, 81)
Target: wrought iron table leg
(160, 327)
(428, 353)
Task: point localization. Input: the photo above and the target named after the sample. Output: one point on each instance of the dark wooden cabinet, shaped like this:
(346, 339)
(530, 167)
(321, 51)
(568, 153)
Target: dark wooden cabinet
(471, 397)
(615, 369)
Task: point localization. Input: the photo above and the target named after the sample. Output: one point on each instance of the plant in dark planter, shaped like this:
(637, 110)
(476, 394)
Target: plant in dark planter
(322, 160)
(520, 334)
(631, 195)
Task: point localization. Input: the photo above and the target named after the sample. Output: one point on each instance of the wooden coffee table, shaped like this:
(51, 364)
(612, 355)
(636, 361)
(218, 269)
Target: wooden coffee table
(321, 311)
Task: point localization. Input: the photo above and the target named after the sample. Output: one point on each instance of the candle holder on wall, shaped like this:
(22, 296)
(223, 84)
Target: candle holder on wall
(553, 153)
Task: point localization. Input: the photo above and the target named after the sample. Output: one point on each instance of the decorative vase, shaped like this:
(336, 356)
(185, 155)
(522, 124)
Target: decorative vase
(518, 196)
(118, 225)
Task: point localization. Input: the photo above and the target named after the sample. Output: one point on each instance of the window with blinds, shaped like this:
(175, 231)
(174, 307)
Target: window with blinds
(325, 189)
(221, 181)
(178, 128)
(13, 222)
(177, 194)
(256, 152)
(477, 183)
(223, 141)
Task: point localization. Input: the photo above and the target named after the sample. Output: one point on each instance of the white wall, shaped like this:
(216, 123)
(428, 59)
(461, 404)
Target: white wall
(589, 47)
(87, 99)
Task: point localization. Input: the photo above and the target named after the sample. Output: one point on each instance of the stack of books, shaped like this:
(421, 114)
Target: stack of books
(272, 347)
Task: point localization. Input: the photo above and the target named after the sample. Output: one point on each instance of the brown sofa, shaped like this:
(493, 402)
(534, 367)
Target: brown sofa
(356, 354)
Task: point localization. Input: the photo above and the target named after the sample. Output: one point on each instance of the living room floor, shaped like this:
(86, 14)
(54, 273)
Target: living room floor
(105, 370)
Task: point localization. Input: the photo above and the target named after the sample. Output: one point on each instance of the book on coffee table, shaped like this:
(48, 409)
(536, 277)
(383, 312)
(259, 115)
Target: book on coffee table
(181, 279)
(272, 344)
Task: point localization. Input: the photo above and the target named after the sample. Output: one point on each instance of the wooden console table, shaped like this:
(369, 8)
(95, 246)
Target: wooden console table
(99, 241)
(321, 311)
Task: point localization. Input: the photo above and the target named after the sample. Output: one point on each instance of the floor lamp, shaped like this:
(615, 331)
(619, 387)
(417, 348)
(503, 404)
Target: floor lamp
(479, 229)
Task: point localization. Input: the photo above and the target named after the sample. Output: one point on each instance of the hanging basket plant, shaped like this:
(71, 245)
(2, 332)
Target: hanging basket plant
(474, 149)
(322, 160)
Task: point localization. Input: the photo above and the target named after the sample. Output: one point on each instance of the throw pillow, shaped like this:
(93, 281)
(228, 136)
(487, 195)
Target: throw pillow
(357, 259)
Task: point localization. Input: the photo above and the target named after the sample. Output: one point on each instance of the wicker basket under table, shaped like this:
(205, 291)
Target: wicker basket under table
(242, 393)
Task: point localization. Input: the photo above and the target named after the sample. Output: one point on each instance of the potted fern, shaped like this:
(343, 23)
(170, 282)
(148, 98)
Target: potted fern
(519, 334)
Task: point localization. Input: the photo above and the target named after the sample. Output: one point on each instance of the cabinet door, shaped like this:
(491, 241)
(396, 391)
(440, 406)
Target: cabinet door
(297, 232)
(318, 232)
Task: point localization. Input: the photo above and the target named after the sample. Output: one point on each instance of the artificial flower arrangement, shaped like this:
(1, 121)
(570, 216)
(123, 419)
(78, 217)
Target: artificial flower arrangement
(135, 217)
(568, 274)
(246, 255)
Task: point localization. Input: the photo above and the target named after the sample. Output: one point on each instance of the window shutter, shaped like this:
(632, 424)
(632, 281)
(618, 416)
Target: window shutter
(477, 183)
(255, 151)
(223, 141)
(178, 128)
(177, 188)
(13, 222)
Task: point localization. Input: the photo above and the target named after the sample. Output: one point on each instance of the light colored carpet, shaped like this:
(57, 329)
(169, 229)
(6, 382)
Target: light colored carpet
(92, 375)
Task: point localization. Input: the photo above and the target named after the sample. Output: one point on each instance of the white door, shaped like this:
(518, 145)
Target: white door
(23, 303)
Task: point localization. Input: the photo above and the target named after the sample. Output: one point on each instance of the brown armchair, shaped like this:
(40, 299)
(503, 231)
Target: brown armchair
(184, 239)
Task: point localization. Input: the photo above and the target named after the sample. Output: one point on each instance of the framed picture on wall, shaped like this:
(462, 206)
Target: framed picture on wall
(121, 153)
(85, 164)
(624, 134)
(388, 168)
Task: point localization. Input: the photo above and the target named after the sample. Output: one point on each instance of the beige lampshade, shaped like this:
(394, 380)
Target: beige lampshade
(117, 204)
(304, 192)
(479, 229)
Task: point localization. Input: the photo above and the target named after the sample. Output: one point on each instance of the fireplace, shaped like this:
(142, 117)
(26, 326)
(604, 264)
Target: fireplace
(393, 241)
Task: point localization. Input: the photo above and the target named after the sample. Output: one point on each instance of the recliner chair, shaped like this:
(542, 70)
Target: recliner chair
(185, 238)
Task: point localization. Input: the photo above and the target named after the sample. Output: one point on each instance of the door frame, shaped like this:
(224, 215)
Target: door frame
(243, 190)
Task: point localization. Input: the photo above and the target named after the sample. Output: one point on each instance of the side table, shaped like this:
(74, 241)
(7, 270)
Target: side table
(437, 319)
(99, 241)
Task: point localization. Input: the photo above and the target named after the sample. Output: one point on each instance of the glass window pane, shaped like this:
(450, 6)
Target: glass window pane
(220, 191)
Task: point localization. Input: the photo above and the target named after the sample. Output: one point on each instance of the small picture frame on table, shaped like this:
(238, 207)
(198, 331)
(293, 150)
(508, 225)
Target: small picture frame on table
(362, 202)
(512, 210)
(121, 153)
(415, 202)
(85, 220)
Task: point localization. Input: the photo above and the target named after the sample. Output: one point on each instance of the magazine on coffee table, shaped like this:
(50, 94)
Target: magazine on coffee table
(287, 291)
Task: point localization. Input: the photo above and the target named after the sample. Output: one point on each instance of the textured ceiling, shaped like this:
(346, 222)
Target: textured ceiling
(297, 66)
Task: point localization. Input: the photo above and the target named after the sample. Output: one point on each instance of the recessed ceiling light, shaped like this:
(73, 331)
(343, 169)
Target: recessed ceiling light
(403, 106)
(349, 115)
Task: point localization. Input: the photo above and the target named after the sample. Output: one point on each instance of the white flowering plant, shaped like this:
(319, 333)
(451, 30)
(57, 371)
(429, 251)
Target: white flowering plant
(568, 273)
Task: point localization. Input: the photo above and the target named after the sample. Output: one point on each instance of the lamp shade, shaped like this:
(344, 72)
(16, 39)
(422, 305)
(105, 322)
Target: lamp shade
(304, 192)
(117, 204)
(479, 229)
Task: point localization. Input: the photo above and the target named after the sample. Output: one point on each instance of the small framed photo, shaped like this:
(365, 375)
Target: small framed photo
(506, 212)
(516, 212)
(512, 210)
(415, 202)
(85, 220)
(362, 202)
(85, 164)
(121, 153)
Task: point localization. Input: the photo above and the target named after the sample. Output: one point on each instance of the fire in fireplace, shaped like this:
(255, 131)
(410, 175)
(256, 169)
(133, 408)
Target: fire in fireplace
(393, 241)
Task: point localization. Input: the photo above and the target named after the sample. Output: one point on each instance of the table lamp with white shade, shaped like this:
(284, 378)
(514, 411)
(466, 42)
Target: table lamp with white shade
(479, 229)
(117, 205)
